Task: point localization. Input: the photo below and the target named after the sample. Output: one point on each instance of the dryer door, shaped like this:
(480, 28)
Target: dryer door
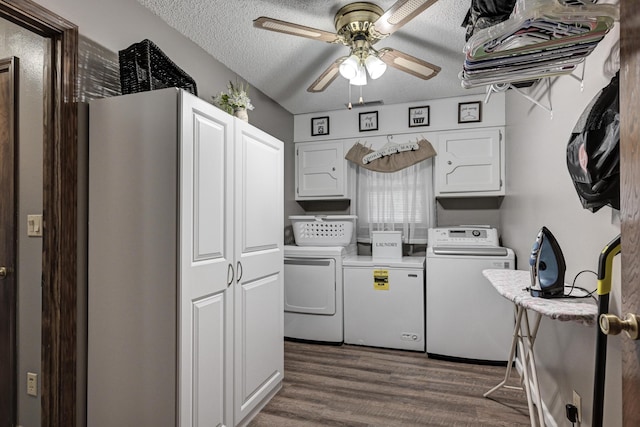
(310, 285)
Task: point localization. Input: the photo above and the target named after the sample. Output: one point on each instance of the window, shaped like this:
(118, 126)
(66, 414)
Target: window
(398, 201)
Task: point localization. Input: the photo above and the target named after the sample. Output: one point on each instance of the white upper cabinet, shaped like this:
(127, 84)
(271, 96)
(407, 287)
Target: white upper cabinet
(321, 171)
(470, 163)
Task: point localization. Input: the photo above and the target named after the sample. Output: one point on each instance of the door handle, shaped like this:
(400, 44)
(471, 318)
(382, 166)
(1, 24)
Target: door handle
(610, 324)
(230, 272)
(239, 269)
(3, 272)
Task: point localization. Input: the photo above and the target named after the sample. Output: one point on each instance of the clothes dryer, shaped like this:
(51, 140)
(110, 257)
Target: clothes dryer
(313, 307)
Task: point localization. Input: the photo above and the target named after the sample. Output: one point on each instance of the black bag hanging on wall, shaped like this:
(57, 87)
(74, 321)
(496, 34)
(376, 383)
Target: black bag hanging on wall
(486, 13)
(593, 152)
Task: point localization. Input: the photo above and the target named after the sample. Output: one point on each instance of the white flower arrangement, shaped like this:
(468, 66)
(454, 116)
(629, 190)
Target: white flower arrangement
(236, 98)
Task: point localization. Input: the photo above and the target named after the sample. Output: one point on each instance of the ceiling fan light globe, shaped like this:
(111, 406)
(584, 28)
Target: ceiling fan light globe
(361, 77)
(375, 66)
(349, 67)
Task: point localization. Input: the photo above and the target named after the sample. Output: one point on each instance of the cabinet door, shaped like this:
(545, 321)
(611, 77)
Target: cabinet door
(259, 306)
(320, 170)
(206, 264)
(470, 162)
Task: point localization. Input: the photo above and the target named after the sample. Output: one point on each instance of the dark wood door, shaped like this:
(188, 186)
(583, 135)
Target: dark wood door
(8, 194)
(630, 200)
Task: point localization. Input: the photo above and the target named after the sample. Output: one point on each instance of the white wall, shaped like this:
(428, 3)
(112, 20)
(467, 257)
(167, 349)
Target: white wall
(540, 192)
(394, 119)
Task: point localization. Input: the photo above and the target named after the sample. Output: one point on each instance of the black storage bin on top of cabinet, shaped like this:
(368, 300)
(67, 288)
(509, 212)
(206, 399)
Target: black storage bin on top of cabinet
(144, 67)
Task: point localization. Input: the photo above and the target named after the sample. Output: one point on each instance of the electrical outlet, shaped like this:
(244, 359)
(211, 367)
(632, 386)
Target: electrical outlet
(577, 402)
(32, 384)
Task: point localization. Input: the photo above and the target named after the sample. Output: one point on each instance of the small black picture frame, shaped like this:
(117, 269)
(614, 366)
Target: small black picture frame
(418, 116)
(320, 126)
(368, 121)
(469, 112)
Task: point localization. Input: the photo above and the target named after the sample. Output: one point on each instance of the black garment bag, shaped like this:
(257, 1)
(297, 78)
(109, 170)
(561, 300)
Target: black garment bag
(593, 151)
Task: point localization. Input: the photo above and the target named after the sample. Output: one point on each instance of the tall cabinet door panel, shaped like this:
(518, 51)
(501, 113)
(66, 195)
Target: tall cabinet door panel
(206, 267)
(259, 350)
(209, 364)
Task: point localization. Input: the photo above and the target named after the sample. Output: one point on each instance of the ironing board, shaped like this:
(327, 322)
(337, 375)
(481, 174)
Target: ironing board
(513, 284)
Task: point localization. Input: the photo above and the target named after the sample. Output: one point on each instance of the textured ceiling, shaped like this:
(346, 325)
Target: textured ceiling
(283, 66)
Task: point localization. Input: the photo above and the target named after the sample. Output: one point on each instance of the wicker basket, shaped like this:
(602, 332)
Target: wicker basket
(330, 230)
(144, 67)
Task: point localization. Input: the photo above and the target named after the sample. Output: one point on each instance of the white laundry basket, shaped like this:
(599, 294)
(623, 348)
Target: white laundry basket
(323, 230)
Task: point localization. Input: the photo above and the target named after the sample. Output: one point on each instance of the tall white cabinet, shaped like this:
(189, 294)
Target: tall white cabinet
(185, 300)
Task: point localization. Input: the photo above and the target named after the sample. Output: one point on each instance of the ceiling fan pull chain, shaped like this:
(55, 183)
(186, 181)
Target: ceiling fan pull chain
(349, 106)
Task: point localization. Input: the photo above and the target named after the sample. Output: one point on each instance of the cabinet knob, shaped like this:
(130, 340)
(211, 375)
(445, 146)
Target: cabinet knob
(333, 169)
(3, 272)
(449, 162)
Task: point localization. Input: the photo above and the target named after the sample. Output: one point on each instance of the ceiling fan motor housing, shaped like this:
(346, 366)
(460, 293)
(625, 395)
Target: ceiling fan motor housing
(354, 23)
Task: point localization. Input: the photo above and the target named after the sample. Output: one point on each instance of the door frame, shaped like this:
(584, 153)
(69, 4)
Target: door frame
(59, 246)
(629, 202)
(10, 66)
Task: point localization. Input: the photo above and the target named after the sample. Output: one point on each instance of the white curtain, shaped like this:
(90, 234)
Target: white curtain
(398, 201)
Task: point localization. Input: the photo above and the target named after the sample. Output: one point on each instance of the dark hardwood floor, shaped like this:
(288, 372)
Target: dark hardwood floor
(362, 386)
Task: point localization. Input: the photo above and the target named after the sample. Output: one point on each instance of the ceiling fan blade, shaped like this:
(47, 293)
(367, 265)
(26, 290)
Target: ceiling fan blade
(294, 29)
(327, 76)
(399, 14)
(409, 64)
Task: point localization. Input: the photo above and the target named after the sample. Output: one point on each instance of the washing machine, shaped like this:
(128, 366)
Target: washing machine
(384, 302)
(466, 318)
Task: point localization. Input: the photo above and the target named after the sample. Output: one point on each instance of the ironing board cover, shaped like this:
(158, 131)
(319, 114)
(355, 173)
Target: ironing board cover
(513, 284)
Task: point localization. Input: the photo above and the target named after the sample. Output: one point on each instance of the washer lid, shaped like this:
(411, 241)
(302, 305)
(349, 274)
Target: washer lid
(470, 250)
(368, 261)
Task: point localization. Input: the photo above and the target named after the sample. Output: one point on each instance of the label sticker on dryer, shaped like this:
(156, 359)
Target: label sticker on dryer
(381, 280)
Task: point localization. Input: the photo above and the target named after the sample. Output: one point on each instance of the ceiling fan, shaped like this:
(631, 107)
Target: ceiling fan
(359, 26)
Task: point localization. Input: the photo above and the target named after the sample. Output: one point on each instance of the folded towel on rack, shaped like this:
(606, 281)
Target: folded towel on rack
(392, 162)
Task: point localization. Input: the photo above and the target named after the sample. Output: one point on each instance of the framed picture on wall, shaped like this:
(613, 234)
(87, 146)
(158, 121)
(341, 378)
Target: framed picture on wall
(469, 112)
(320, 126)
(418, 116)
(368, 121)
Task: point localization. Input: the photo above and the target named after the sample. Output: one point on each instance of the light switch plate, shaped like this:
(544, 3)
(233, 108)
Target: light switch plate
(34, 225)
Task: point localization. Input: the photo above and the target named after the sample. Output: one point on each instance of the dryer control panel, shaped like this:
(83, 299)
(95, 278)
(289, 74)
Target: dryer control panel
(461, 236)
